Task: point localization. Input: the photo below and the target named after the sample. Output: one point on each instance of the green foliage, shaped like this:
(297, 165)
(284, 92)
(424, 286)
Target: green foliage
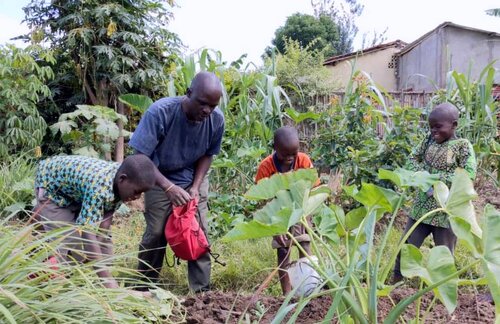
(103, 49)
(44, 298)
(137, 102)
(292, 201)
(90, 130)
(23, 81)
(439, 266)
(350, 259)
(320, 34)
(301, 74)
(17, 175)
(343, 13)
(478, 113)
(349, 136)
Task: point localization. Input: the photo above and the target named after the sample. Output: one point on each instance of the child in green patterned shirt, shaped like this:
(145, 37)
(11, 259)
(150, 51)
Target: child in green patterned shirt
(441, 153)
(76, 190)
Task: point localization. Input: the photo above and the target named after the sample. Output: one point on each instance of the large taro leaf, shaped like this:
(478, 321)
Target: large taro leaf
(440, 265)
(372, 196)
(137, 102)
(458, 201)
(354, 217)
(267, 188)
(405, 178)
(462, 229)
(326, 223)
(279, 214)
(491, 258)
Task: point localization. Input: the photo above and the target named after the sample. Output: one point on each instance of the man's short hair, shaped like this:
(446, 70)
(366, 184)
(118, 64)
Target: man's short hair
(139, 169)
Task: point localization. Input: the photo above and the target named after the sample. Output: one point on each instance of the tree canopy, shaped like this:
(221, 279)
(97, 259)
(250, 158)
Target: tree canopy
(319, 33)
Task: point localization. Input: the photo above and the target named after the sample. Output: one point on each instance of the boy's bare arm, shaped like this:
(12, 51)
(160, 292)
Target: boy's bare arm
(94, 253)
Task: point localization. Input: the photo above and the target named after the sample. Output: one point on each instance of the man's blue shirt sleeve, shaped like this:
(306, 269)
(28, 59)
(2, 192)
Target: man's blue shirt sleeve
(148, 132)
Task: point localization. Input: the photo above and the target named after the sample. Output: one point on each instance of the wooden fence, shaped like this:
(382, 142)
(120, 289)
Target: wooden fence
(415, 99)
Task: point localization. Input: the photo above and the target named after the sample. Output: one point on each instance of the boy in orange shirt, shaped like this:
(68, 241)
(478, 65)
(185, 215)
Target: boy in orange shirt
(286, 158)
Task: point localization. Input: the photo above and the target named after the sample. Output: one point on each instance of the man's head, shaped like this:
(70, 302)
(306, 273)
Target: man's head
(135, 175)
(286, 144)
(202, 96)
(443, 121)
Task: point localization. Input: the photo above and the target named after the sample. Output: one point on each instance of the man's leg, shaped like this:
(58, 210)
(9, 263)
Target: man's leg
(153, 244)
(199, 270)
(416, 238)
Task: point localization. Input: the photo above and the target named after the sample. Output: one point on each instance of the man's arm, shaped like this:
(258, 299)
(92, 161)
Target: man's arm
(175, 194)
(202, 166)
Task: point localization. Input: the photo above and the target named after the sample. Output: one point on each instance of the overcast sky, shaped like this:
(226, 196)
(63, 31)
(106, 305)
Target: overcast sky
(236, 27)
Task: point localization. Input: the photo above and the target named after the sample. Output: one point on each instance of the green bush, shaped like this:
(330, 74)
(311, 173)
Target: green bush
(17, 174)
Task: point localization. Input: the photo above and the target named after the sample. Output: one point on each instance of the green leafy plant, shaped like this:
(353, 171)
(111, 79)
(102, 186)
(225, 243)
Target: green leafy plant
(31, 291)
(351, 259)
(16, 184)
(360, 134)
(24, 74)
(479, 114)
(90, 130)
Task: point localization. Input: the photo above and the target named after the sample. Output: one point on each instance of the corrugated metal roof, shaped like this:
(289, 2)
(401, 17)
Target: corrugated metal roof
(410, 46)
(397, 43)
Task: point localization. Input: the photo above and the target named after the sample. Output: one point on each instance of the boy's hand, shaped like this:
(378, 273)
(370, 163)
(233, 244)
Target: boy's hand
(281, 239)
(178, 196)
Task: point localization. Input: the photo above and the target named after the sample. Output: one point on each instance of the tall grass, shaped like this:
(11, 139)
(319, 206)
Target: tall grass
(31, 292)
(247, 263)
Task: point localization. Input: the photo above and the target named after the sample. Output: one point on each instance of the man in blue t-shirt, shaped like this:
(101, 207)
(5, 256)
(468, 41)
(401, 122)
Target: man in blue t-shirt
(180, 135)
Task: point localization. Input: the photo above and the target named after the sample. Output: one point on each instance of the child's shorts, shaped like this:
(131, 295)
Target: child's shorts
(298, 231)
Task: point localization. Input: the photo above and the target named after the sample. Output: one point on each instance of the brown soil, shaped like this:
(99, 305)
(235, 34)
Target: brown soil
(487, 193)
(220, 307)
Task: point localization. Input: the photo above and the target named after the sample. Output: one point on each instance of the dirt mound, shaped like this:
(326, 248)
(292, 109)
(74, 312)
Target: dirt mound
(230, 307)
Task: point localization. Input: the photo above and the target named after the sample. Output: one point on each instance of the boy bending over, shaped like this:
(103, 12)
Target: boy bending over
(78, 190)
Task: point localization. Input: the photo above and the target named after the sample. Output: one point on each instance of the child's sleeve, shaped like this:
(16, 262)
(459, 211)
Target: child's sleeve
(467, 159)
(263, 171)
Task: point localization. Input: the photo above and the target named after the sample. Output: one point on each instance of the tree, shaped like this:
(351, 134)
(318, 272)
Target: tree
(22, 85)
(343, 13)
(105, 48)
(320, 34)
(493, 12)
(301, 73)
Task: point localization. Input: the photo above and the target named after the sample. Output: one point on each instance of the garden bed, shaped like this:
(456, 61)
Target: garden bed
(229, 307)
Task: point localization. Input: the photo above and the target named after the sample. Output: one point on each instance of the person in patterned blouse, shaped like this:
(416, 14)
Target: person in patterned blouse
(441, 153)
(78, 190)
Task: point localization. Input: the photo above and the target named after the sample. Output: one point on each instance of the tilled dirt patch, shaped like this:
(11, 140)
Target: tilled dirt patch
(230, 307)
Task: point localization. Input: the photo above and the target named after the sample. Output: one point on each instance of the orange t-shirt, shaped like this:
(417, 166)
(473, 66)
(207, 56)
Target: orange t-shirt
(267, 167)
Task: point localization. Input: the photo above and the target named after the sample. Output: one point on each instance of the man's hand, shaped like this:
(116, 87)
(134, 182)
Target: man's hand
(178, 196)
(194, 193)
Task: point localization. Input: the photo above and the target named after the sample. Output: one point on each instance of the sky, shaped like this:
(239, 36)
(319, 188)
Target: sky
(236, 27)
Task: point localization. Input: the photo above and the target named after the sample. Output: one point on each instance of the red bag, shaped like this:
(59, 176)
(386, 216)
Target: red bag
(184, 234)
